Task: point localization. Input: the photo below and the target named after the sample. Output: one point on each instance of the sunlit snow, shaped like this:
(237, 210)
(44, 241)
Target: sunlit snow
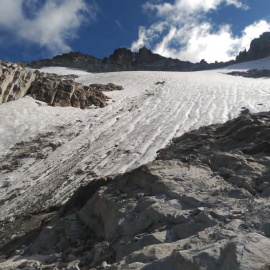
(138, 121)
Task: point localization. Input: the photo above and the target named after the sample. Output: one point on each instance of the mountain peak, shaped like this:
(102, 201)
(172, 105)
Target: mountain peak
(259, 48)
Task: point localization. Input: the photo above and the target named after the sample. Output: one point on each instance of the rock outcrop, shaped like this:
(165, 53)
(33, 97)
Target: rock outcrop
(55, 90)
(203, 204)
(15, 81)
(73, 59)
(259, 48)
(106, 87)
(252, 73)
(124, 59)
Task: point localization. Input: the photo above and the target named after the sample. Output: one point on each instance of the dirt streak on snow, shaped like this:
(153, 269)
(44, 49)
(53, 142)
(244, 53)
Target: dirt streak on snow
(138, 122)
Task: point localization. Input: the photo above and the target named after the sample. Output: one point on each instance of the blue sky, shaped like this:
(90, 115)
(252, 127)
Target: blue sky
(184, 29)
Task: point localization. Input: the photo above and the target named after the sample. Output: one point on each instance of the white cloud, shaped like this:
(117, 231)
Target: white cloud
(187, 7)
(188, 35)
(203, 43)
(51, 25)
(146, 36)
(237, 4)
(141, 41)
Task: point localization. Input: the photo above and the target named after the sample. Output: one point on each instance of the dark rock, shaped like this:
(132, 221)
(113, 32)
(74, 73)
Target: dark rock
(22, 231)
(266, 228)
(72, 59)
(123, 59)
(259, 48)
(106, 87)
(253, 73)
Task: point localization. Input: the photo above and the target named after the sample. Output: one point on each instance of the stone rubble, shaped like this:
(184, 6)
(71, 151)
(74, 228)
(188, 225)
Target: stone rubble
(203, 204)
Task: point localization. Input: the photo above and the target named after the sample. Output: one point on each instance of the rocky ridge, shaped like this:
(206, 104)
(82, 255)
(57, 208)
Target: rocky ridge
(203, 204)
(259, 48)
(55, 90)
(123, 59)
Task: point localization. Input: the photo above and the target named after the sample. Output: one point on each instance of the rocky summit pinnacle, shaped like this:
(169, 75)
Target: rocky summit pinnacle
(259, 48)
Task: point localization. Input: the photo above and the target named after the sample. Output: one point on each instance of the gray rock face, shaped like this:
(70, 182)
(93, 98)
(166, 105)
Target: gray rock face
(238, 151)
(55, 90)
(203, 204)
(58, 91)
(14, 81)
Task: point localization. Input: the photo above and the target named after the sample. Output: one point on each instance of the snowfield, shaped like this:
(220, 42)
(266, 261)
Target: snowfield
(139, 120)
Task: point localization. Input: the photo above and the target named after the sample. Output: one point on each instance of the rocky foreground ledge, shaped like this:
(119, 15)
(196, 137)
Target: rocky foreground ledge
(203, 204)
(55, 90)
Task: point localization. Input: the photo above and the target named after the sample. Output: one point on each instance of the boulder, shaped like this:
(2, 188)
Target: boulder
(15, 81)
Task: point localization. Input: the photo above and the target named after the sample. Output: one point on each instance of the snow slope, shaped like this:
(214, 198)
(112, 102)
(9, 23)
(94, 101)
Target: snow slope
(255, 64)
(139, 121)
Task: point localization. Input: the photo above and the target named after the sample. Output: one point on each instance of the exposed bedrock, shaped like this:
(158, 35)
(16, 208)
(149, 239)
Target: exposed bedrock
(259, 48)
(55, 90)
(14, 81)
(58, 91)
(203, 204)
(237, 150)
(252, 73)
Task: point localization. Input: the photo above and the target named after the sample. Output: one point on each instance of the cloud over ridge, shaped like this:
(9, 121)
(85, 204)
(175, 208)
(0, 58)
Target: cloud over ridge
(183, 31)
(49, 24)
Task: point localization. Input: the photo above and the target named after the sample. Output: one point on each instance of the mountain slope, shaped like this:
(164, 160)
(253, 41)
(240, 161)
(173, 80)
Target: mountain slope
(58, 149)
(191, 207)
(204, 204)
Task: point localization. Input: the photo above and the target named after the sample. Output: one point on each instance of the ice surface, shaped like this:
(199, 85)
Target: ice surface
(255, 64)
(139, 120)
